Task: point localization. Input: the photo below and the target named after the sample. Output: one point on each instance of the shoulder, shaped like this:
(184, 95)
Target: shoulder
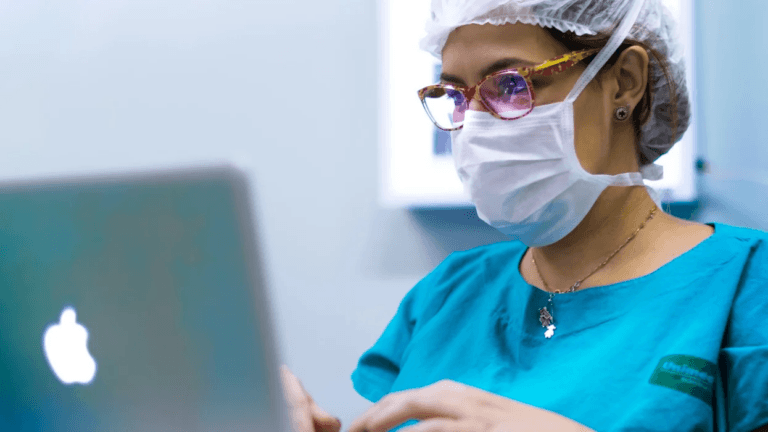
(458, 276)
(751, 241)
(480, 259)
(465, 270)
(752, 245)
(740, 233)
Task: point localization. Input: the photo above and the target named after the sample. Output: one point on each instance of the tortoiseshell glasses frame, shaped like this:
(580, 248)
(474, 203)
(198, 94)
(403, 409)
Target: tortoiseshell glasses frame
(524, 97)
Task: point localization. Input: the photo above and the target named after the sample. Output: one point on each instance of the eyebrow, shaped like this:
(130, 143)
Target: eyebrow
(495, 67)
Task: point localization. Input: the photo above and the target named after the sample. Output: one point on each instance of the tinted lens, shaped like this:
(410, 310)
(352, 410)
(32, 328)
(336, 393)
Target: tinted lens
(445, 106)
(507, 94)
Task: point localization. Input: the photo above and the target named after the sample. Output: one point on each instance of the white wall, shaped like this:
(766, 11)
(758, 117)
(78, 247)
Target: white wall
(91, 86)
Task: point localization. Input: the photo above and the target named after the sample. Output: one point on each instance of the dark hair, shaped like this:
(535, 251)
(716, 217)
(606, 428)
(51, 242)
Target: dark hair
(642, 112)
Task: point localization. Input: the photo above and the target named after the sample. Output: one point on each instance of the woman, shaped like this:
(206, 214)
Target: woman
(606, 313)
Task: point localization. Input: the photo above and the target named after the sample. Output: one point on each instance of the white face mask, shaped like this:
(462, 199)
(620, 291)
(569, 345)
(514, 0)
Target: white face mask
(524, 176)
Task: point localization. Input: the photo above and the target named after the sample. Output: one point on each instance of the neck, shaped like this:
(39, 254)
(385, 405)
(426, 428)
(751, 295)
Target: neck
(615, 216)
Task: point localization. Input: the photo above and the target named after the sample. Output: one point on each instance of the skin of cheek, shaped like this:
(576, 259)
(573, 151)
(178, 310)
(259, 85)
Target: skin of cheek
(591, 130)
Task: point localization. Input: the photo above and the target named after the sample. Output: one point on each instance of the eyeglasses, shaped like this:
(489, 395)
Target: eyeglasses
(506, 94)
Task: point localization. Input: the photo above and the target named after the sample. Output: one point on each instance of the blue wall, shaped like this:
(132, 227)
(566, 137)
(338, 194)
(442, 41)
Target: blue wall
(732, 91)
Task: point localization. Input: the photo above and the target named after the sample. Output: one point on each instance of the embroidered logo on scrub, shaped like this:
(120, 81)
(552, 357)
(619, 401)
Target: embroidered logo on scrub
(691, 375)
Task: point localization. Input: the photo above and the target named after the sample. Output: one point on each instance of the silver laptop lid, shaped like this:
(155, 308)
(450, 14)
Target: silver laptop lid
(135, 303)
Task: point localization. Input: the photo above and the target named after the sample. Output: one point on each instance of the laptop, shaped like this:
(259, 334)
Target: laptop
(135, 302)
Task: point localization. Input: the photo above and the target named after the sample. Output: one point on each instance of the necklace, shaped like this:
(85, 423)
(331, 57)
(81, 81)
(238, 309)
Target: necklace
(545, 316)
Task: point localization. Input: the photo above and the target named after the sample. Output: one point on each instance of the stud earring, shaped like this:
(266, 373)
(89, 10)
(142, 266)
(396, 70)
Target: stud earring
(622, 113)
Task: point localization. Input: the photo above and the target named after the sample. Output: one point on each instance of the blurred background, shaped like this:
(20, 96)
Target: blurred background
(100, 86)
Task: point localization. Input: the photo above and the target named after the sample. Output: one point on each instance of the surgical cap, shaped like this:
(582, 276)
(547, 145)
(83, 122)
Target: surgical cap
(655, 27)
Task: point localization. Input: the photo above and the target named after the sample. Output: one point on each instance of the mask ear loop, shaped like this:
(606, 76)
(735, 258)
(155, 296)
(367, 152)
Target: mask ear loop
(613, 44)
(652, 172)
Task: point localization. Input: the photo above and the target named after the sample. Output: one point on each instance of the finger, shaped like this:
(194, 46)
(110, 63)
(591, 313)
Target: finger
(300, 406)
(441, 425)
(302, 421)
(396, 408)
(324, 421)
(291, 388)
(327, 424)
(321, 414)
(295, 383)
(301, 400)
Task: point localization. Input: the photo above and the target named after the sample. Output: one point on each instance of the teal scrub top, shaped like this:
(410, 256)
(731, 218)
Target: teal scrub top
(684, 348)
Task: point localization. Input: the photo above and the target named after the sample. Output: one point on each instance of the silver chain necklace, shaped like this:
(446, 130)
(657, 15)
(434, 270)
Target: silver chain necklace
(546, 316)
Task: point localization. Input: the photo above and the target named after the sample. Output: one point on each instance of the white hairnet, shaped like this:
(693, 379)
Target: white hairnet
(655, 27)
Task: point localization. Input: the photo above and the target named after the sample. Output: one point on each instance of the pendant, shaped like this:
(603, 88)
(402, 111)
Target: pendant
(550, 331)
(546, 319)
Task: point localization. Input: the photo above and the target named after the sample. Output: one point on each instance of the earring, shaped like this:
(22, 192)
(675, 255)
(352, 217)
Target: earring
(622, 113)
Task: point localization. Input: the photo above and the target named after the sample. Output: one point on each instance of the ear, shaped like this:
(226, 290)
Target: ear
(631, 77)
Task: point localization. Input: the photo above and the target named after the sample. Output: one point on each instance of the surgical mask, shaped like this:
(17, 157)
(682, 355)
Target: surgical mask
(524, 176)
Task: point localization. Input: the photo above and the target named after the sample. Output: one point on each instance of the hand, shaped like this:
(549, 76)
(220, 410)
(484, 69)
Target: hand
(448, 406)
(306, 416)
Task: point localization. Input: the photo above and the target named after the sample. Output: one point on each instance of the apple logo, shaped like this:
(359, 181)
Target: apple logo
(66, 350)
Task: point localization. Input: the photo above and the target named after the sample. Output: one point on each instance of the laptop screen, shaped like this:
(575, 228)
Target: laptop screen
(132, 304)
